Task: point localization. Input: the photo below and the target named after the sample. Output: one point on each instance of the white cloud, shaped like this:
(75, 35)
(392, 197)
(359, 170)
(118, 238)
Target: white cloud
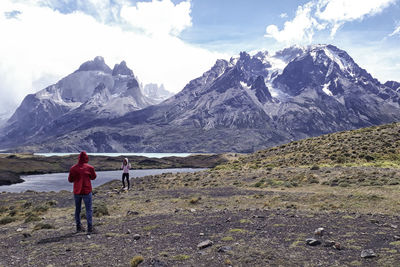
(338, 12)
(283, 15)
(396, 31)
(325, 14)
(300, 29)
(42, 45)
(159, 17)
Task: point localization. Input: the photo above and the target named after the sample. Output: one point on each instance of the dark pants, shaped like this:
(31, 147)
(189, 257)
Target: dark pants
(125, 175)
(88, 206)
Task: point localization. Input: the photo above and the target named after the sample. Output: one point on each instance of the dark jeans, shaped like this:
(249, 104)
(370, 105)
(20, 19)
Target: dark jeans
(78, 206)
(125, 175)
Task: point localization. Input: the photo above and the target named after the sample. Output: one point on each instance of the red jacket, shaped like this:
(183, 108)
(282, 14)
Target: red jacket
(80, 174)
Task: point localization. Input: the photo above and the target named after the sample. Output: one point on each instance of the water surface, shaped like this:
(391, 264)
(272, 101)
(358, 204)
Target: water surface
(59, 181)
(149, 155)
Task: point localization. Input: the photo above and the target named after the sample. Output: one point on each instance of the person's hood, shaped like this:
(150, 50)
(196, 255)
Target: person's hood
(83, 158)
(127, 161)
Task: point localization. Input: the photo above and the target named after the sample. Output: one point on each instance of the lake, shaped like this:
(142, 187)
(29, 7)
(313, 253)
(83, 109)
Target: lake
(59, 181)
(149, 155)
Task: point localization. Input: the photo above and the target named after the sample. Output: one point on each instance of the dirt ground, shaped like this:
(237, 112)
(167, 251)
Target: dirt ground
(247, 226)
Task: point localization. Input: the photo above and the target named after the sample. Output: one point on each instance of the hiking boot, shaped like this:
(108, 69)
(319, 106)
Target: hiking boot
(79, 229)
(90, 230)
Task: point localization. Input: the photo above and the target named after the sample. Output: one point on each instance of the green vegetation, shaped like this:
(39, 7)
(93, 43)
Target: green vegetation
(135, 261)
(40, 226)
(181, 257)
(7, 220)
(375, 146)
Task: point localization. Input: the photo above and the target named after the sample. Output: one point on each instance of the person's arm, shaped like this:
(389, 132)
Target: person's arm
(70, 177)
(93, 174)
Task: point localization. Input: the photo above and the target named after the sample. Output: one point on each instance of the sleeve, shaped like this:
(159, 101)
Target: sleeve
(70, 176)
(93, 174)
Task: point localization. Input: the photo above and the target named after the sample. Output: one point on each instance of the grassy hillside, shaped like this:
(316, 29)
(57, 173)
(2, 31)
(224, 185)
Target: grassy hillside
(374, 146)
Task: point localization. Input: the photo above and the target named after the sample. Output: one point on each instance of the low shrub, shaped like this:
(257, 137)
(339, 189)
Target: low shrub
(135, 261)
(7, 220)
(40, 226)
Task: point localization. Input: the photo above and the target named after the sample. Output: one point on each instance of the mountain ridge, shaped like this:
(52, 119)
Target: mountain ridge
(244, 104)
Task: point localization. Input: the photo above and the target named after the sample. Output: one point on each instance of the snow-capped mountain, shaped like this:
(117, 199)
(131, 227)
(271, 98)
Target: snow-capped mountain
(242, 104)
(93, 91)
(158, 93)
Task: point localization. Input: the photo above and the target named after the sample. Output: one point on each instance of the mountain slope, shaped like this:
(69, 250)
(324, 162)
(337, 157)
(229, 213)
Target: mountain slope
(244, 104)
(93, 91)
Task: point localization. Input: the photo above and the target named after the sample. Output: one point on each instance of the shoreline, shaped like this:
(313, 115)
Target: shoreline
(13, 166)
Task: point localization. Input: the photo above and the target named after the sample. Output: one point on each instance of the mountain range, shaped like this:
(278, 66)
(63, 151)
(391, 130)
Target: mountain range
(240, 105)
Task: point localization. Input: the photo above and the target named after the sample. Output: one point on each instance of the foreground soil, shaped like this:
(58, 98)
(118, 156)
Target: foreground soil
(342, 189)
(164, 218)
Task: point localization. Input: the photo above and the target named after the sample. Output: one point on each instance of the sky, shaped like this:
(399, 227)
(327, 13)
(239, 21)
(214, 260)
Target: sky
(174, 41)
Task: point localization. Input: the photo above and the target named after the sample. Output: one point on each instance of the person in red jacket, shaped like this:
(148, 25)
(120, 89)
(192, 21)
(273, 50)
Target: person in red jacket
(81, 175)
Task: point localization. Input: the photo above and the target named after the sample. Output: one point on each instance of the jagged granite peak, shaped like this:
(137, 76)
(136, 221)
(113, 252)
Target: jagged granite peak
(252, 65)
(91, 90)
(393, 85)
(241, 105)
(97, 64)
(261, 90)
(100, 88)
(154, 91)
(322, 67)
(101, 94)
(289, 53)
(122, 69)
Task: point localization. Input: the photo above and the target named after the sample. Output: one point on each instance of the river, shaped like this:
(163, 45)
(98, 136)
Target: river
(59, 181)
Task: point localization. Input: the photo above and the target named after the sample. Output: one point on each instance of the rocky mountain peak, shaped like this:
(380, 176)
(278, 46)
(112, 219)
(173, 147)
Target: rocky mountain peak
(122, 69)
(99, 88)
(261, 90)
(393, 85)
(96, 64)
(251, 66)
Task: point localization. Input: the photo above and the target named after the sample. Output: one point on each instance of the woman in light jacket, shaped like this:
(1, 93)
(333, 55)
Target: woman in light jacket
(125, 174)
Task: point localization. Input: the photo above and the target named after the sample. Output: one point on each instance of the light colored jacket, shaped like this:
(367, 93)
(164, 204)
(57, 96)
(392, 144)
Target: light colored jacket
(126, 167)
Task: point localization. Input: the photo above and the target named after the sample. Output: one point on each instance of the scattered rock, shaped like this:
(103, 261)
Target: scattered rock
(192, 210)
(337, 246)
(224, 249)
(130, 212)
(201, 234)
(26, 235)
(329, 243)
(374, 221)
(396, 237)
(312, 242)
(68, 249)
(128, 232)
(157, 263)
(147, 200)
(393, 226)
(319, 231)
(20, 230)
(368, 253)
(136, 237)
(205, 244)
